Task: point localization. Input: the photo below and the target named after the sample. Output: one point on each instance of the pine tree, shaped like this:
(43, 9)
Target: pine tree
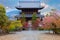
(34, 17)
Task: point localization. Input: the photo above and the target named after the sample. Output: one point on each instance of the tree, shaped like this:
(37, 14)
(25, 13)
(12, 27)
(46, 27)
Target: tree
(47, 22)
(56, 21)
(18, 25)
(15, 25)
(52, 22)
(23, 18)
(11, 26)
(34, 17)
(3, 17)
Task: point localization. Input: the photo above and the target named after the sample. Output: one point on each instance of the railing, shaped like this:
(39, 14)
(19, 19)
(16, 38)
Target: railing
(30, 15)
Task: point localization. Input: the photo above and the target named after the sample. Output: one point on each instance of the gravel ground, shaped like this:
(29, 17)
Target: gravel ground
(30, 35)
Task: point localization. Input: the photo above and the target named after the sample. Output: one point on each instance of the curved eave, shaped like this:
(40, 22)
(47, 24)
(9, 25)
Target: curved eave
(29, 8)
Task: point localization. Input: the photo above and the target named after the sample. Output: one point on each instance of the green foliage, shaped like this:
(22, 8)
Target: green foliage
(2, 9)
(23, 17)
(11, 26)
(56, 30)
(3, 18)
(34, 17)
(18, 23)
(15, 25)
(39, 28)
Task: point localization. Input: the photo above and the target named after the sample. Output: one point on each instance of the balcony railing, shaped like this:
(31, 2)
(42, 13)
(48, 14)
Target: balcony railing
(30, 15)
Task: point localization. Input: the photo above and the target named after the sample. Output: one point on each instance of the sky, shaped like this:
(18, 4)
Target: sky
(49, 4)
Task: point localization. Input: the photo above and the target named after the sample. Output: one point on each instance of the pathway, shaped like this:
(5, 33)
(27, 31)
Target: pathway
(30, 35)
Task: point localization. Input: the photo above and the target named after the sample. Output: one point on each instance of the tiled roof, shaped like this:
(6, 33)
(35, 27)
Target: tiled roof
(29, 4)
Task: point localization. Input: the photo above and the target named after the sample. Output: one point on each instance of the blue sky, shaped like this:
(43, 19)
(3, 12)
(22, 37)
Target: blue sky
(54, 3)
(13, 3)
(49, 4)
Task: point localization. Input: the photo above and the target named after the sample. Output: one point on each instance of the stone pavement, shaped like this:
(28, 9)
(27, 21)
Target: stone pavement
(30, 35)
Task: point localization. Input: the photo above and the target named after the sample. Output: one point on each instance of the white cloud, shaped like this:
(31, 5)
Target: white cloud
(9, 10)
(7, 7)
(46, 9)
(44, 5)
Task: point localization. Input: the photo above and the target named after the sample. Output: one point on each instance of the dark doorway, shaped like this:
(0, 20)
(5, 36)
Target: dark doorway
(28, 18)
